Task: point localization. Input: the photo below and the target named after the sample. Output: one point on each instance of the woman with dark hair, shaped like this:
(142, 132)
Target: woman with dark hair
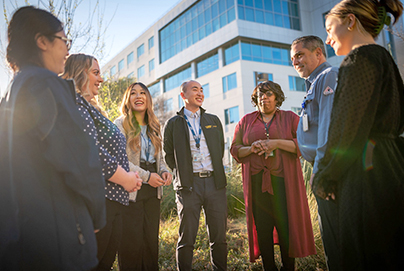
(52, 168)
(276, 203)
(119, 181)
(139, 250)
(363, 166)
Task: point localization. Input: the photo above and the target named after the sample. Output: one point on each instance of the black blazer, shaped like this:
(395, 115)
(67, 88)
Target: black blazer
(178, 151)
(52, 190)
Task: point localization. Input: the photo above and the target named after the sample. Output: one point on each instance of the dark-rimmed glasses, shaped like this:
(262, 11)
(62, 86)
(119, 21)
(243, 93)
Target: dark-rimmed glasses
(268, 93)
(66, 40)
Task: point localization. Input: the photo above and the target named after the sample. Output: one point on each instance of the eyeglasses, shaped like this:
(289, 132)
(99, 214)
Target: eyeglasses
(66, 40)
(268, 93)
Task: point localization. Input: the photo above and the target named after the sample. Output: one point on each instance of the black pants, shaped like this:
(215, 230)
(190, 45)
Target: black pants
(271, 211)
(139, 247)
(109, 237)
(328, 222)
(214, 204)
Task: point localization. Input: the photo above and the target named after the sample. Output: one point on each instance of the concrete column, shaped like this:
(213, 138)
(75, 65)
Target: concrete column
(221, 57)
(161, 86)
(193, 70)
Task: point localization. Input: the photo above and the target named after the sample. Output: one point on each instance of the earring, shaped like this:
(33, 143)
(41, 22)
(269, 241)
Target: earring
(349, 28)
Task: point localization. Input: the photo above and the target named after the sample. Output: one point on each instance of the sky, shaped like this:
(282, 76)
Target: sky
(128, 19)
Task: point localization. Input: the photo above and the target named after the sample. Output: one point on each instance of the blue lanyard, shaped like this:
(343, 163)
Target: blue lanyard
(147, 145)
(197, 138)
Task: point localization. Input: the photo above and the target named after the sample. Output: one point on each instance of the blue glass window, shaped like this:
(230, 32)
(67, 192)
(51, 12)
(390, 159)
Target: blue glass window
(283, 13)
(206, 91)
(231, 115)
(296, 84)
(140, 50)
(229, 82)
(180, 102)
(151, 65)
(262, 77)
(265, 53)
(113, 70)
(207, 65)
(154, 89)
(121, 64)
(177, 79)
(140, 72)
(151, 42)
(129, 58)
(196, 23)
(231, 54)
(131, 75)
(330, 50)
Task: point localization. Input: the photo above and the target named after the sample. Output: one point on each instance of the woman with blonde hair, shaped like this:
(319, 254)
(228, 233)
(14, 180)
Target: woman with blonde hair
(85, 71)
(363, 167)
(139, 250)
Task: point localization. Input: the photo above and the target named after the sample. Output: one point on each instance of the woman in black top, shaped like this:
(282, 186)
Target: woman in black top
(51, 189)
(111, 142)
(363, 167)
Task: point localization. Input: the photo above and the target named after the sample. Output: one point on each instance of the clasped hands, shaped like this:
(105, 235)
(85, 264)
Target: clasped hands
(264, 146)
(155, 180)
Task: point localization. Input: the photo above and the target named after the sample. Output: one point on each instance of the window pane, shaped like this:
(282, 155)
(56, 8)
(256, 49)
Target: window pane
(206, 90)
(258, 4)
(259, 16)
(231, 15)
(241, 13)
(249, 3)
(249, 14)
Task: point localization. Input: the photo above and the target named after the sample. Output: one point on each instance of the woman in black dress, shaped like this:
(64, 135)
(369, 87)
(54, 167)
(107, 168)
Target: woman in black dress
(363, 168)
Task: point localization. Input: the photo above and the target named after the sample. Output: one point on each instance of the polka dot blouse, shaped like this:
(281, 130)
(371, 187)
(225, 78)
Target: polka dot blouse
(112, 147)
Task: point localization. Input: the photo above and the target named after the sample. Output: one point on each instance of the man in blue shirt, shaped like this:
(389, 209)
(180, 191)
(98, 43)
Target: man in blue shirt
(309, 60)
(194, 147)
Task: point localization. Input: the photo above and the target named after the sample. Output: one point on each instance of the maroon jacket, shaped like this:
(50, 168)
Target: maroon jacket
(300, 228)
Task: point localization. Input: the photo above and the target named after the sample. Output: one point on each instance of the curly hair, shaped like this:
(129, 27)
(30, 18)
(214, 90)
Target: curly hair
(131, 125)
(266, 86)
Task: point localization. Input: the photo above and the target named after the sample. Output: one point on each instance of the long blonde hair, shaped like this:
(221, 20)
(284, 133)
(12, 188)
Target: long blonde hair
(131, 125)
(78, 67)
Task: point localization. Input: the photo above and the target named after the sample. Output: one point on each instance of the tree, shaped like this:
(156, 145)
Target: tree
(162, 109)
(86, 35)
(111, 93)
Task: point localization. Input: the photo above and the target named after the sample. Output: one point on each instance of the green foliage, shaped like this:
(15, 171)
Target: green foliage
(110, 95)
(235, 198)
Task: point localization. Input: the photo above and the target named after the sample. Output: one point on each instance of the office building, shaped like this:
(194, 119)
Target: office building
(228, 46)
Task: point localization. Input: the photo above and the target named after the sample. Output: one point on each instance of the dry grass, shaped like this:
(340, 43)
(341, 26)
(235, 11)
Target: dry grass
(237, 241)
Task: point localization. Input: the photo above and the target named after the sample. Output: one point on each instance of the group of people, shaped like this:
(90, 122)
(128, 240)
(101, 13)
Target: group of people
(349, 130)
(77, 189)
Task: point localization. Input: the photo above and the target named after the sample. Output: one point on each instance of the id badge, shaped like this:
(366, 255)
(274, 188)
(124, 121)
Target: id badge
(198, 157)
(305, 120)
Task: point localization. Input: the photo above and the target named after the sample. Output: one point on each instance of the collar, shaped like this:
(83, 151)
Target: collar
(312, 77)
(182, 111)
(190, 114)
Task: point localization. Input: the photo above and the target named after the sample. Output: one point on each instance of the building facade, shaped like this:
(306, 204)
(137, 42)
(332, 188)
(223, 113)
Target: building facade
(228, 46)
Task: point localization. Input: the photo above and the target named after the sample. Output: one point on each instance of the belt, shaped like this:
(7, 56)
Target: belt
(203, 174)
